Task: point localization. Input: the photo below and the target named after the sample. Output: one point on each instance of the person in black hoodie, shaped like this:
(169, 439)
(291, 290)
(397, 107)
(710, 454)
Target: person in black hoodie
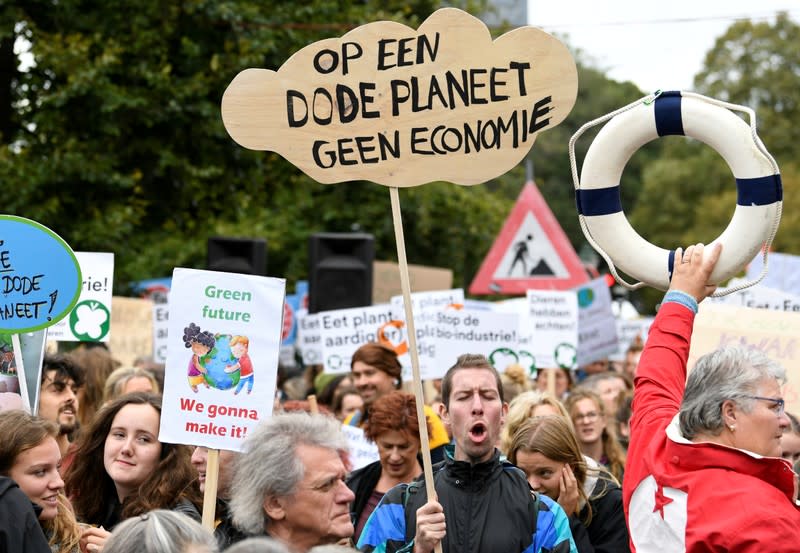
(20, 531)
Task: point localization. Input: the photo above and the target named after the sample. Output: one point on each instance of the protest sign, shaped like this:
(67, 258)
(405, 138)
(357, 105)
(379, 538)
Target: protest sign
(289, 330)
(494, 335)
(160, 332)
(627, 331)
(40, 278)
(597, 328)
(29, 349)
(362, 451)
(400, 107)
(343, 331)
(13, 389)
(552, 327)
(90, 319)
(759, 297)
(425, 306)
(222, 360)
(309, 338)
(775, 333)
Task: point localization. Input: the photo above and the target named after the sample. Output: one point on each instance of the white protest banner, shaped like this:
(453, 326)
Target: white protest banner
(597, 327)
(425, 306)
(309, 339)
(343, 331)
(362, 451)
(222, 360)
(494, 335)
(160, 332)
(90, 319)
(759, 297)
(775, 333)
(552, 320)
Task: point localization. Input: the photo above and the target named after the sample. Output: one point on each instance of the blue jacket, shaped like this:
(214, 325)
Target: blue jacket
(489, 508)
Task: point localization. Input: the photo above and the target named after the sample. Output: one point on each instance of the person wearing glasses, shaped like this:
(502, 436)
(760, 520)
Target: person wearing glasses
(596, 437)
(704, 468)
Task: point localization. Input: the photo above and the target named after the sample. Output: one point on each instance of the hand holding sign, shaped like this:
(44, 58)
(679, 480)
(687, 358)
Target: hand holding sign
(446, 98)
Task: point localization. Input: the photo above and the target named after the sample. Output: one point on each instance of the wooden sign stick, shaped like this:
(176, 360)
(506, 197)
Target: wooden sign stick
(210, 494)
(312, 404)
(412, 345)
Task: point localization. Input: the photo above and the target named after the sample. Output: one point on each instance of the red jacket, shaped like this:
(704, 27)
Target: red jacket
(681, 496)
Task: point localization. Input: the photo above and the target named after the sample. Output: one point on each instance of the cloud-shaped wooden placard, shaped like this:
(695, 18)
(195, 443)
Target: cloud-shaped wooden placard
(400, 107)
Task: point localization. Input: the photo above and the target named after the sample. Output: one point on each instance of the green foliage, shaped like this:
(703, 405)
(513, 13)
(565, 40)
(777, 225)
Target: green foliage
(114, 138)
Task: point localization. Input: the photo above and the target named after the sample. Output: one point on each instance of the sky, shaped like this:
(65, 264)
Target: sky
(656, 45)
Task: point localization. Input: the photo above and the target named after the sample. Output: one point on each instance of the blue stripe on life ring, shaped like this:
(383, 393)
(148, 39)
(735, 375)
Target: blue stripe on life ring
(760, 190)
(598, 201)
(668, 113)
(671, 263)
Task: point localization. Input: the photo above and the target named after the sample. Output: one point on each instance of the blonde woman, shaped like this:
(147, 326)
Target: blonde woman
(526, 405)
(129, 379)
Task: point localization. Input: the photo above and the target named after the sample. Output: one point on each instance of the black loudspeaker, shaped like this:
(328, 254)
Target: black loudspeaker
(237, 255)
(340, 270)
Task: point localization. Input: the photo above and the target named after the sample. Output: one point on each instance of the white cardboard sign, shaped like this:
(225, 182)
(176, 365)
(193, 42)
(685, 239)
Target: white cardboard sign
(222, 360)
(597, 327)
(90, 319)
(552, 326)
(343, 331)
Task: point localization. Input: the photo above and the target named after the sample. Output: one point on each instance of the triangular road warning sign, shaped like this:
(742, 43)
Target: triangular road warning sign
(531, 252)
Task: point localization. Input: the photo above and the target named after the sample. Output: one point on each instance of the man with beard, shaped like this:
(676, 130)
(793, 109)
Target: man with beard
(376, 371)
(58, 396)
(485, 504)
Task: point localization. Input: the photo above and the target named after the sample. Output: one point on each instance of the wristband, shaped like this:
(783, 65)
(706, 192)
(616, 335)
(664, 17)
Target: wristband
(676, 296)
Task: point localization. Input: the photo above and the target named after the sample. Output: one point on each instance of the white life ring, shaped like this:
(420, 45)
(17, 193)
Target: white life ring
(758, 182)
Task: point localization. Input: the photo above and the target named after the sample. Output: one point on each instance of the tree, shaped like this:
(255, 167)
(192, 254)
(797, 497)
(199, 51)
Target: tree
(688, 193)
(116, 142)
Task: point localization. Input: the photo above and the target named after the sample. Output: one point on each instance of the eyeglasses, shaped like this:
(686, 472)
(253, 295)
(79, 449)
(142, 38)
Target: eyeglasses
(780, 404)
(591, 416)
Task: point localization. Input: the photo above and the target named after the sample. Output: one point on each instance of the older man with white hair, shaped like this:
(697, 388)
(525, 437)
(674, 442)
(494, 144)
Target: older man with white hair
(289, 482)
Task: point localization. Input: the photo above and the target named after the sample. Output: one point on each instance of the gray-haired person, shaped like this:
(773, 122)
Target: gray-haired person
(288, 483)
(160, 531)
(704, 470)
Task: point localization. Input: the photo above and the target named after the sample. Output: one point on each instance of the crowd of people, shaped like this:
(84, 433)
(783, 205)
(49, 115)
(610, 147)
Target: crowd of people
(635, 457)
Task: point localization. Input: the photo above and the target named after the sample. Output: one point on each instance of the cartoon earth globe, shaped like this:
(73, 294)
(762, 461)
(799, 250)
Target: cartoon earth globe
(217, 360)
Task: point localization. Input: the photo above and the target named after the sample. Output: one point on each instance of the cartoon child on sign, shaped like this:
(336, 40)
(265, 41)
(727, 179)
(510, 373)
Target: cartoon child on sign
(201, 343)
(239, 346)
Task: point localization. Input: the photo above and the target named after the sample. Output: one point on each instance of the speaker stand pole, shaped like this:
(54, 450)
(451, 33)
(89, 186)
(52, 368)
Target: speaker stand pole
(411, 333)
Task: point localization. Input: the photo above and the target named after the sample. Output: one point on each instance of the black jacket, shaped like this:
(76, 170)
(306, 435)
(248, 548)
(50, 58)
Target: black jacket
(20, 531)
(489, 508)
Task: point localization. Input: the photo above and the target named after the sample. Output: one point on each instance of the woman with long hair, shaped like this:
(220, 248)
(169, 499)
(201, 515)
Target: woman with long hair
(596, 438)
(122, 470)
(30, 456)
(546, 449)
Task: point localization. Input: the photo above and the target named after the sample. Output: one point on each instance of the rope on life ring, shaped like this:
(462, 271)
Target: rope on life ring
(758, 181)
